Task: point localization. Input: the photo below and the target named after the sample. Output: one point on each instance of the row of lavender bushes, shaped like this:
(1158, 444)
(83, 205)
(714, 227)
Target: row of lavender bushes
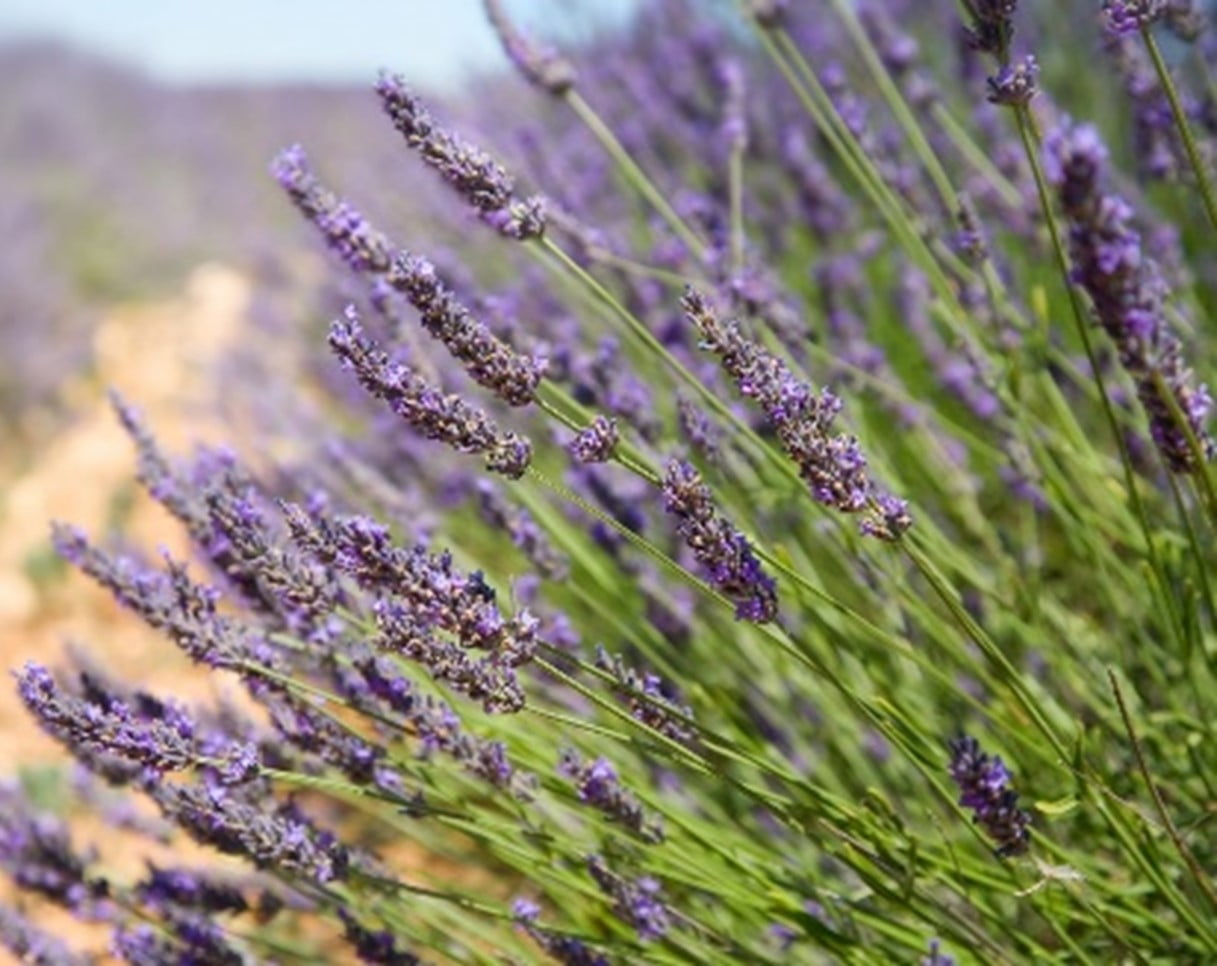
(769, 523)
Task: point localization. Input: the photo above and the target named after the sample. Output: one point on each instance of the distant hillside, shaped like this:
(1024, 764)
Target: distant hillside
(112, 187)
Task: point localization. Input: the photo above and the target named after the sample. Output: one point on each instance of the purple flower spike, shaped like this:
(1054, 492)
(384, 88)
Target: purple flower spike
(1128, 293)
(832, 465)
(596, 443)
(1015, 83)
(640, 902)
(428, 409)
(983, 782)
(491, 363)
(1130, 16)
(597, 784)
(540, 64)
(476, 177)
(725, 552)
(345, 230)
(565, 949)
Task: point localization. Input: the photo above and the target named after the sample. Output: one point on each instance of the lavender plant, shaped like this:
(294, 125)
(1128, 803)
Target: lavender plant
(568, 598)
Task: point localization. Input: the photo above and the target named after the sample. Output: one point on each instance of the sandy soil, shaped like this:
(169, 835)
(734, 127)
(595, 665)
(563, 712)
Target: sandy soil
(160, 357)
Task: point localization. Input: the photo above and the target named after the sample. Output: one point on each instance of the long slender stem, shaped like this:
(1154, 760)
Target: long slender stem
(1194, 867)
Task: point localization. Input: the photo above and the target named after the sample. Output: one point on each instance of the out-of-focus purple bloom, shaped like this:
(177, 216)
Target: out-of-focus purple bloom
(374, 945)
(1014, 83)
(992, 25)
(193, 889)
(645, 695)
(1131, 16)
(540, 64)
(638, 902)
(33, 945)
(597, 442)
(524, 531)
(597, 785)
(433, 413)
(36, 851)
(565, 949)
(936, 956)
(726, 554)
(984, 787)
(1128, 292)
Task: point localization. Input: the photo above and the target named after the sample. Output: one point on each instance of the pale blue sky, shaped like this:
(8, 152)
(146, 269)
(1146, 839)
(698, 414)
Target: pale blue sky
(433, 41)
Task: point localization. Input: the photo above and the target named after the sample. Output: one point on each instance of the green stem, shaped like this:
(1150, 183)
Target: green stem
(633, 173)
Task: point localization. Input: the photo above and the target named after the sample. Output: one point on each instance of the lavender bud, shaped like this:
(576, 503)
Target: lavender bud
(190, 889)
(597, 785)
(992, 26)
(596, 443)
(1130, 16)
(541, 65)
(491, 363)
(279, 840)
(565, 949)
(477, 177)
(428, 409)
(32, 945)
(1128, 292)
(374, 946)
(160, 745)
(725, 552)
(984, 787)
(345, 230)
(647, 698)
(1014, 84)
(833, 465)
(638, 903)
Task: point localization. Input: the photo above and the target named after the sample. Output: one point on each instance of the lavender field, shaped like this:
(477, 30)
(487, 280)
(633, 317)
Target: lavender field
(738, 489)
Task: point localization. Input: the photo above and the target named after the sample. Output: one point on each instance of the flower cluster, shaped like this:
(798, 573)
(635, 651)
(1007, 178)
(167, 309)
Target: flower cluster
(832, 464)
(1129, 294)
(984, 787)
(475, 175)
(432, 413)
(726, 554)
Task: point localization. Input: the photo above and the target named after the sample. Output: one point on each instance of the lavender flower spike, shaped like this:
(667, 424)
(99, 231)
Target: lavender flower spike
(346, 231)
(512, 377)
(725, 552)
(1131, 16)
(983, 782)
(597, 442)
(639, 902)
(541, 65)
(476, 176)
(1127, 290)
(992, 25)
(833, 465)
(425, 407)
